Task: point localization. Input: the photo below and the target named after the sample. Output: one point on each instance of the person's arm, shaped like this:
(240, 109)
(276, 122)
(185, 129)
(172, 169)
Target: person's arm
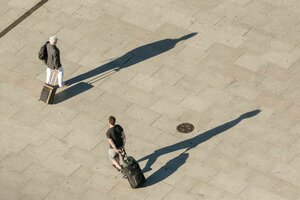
(124, 139)
(111, 142)
(56, 59)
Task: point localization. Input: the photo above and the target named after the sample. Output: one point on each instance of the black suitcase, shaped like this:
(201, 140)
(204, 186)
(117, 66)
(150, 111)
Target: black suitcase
(48, 93)
(49, 90)
(132, 171)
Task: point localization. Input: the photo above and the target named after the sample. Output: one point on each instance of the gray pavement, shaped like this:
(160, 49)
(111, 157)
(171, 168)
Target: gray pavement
(142, 62)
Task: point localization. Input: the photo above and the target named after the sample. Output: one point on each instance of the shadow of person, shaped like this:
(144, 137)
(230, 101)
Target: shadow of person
(72, 91)
(195, 141)
(167, 170)
(132, 57)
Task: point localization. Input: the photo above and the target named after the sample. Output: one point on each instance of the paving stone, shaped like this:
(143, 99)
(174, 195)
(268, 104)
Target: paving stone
(168, 108)
(158, 191)
(293, 111)
(55, 145)
(64, 19)
(86, 107)
(196, 103)
(275, 136)
(205, 173)
(186, 183)
(95, 194)
(208, 77)
(257, 161)
(57, 194)
(9, 60)
(15, 163)
(262, 180)
(210, 95)
(251, 62)
(189, 84)
(35, 154)
(124, 193)
(171, 93)
(35, 190)
(178, 193)
(144, 82)
(81, 139)
(60, 165)
(284, 60)
(218, 50)
(143, 132)
(227, 150)
(113, 86)
(87, 124)
(270, 100)
(177, 18)
(139, 96)
(253, 192)
(204, 62)
(217, 162)
(142, 114)
(166, 124)
(283, 154)
(57, 128)
(295, 162)
(12, 180)
(82, 174)
(227, 195)
(40, 173)
(285, 123)
(286, 190)
(10, 194)
(96, 182)
(291, 94)
(205, 190)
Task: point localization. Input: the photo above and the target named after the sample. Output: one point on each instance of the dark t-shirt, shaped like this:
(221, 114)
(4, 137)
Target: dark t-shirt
(115, 133)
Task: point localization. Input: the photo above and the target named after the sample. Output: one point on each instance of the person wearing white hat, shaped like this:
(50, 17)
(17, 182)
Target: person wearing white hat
(53, 61)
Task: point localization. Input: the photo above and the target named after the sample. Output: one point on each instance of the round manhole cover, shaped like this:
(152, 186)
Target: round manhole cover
(185, 128)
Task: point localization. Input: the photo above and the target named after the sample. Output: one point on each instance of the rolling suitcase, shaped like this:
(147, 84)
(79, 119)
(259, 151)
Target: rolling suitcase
(49, 90)
(132, 171)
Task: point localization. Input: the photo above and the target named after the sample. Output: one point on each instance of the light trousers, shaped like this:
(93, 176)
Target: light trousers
(60, 76)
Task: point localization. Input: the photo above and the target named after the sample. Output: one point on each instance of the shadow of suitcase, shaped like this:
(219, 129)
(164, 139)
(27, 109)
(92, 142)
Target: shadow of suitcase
(49, 90)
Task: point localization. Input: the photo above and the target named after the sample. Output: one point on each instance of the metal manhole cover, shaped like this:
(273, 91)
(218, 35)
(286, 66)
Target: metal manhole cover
(185, 128)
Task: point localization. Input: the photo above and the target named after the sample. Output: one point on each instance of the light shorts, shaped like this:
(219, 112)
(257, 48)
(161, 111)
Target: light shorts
(112, 154)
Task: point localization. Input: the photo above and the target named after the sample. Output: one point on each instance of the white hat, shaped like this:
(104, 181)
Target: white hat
(53, 39)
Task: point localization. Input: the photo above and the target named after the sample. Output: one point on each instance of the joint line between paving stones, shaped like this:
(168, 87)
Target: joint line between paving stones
(247, 31)
(243, 190)
(248, 3)
(219, 20)
(22, 18)
(75, 171)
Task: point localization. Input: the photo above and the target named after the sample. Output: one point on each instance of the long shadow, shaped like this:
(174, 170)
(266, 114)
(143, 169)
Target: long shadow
(133, 57)
(71, 92)
(167, 170)
(171, 166)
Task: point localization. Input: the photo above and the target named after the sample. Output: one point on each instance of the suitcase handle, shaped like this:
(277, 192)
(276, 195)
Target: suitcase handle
(53, 77)
(124, 155)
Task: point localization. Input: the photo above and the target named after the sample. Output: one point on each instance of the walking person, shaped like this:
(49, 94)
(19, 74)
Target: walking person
(116, 139)
(53, 61)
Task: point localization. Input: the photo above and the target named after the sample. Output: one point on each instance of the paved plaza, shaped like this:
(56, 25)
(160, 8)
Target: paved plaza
(229, 67)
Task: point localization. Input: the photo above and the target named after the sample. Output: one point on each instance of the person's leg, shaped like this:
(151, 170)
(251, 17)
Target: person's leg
(112, 155)
(60, 76)
(48, 75)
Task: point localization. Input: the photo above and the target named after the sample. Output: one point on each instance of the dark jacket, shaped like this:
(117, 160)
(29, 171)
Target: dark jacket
(53, 60)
